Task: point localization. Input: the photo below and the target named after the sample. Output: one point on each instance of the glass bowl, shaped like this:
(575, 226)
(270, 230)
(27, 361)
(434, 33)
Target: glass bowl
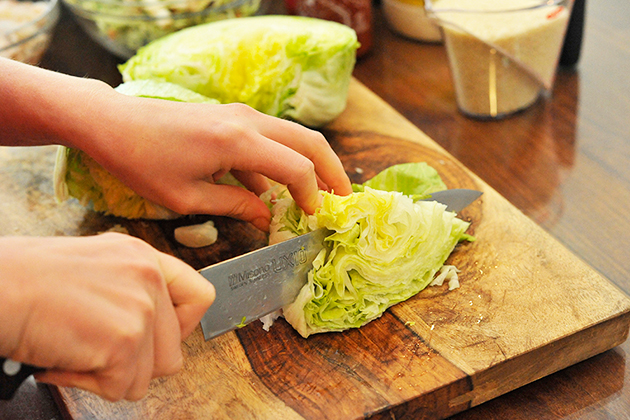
(123, 26)
(26, 28)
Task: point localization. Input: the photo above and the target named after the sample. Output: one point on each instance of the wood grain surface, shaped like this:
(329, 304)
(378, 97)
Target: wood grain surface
(563, 163)
(527, 307)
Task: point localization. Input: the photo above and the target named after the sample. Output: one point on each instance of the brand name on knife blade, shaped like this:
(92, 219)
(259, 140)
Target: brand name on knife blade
(274, 265)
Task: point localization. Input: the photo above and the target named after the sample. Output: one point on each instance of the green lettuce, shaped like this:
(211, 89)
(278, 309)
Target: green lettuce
(78, 175)
(286, 66)
(384, 247)
(162, 90)
(416, 179)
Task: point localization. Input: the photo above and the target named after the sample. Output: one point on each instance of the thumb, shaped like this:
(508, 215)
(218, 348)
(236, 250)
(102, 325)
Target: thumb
(191, 294)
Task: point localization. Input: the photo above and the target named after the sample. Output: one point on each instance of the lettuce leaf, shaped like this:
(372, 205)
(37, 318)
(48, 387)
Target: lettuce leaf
(286, 66)
(415, 179)
(384, 247)
(162, 90)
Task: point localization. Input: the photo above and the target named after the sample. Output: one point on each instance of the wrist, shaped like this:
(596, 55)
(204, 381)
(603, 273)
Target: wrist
(16, 297)
(41, 107)
(76, 113)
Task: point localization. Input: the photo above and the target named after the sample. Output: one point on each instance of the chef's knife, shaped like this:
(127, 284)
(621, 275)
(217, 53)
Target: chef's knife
(249, 286)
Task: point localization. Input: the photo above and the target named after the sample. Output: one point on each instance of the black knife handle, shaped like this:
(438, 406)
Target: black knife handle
(12, 375)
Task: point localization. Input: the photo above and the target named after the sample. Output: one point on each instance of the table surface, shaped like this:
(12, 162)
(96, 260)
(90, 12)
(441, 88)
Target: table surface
(565, 163)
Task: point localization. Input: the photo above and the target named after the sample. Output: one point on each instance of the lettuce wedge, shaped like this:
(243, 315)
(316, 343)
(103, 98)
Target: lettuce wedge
(384, 247)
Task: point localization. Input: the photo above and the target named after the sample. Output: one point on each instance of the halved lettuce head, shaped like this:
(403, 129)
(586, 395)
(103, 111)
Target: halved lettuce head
(78, 175)
(286, 66)
(384, 247)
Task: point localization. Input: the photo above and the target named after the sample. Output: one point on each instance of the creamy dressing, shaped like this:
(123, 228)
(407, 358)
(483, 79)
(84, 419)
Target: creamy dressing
(503, 53)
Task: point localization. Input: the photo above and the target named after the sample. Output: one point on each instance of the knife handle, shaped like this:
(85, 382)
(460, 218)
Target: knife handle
(12, 375)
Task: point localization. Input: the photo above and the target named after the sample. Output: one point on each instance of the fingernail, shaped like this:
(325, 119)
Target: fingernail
(319, 201)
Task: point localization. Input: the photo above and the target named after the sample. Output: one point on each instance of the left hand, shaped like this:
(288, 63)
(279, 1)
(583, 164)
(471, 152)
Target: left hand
(176, 159)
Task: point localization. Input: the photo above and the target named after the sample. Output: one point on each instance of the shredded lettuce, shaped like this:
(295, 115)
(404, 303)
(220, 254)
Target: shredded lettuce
(286, 66)
(384, 247)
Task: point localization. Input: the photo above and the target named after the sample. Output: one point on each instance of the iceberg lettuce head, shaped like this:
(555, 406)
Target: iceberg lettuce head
(384, 247)
(78, 175)
(286, 66)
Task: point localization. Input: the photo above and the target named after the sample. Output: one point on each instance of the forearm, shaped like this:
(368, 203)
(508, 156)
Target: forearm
(40, 107)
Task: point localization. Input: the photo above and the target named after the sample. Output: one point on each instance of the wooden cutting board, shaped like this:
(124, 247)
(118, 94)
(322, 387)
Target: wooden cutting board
(526, 307)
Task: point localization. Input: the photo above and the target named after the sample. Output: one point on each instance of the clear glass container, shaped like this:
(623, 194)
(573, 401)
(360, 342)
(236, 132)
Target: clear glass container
(123, 26)
(26, 28)
(408, 18)
(503, 54)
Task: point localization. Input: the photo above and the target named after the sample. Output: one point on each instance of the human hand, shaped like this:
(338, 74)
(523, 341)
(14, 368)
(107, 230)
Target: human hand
(105, 313)
(173, 153)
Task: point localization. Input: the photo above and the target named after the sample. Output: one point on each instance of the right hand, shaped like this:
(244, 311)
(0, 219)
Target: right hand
(105, 313)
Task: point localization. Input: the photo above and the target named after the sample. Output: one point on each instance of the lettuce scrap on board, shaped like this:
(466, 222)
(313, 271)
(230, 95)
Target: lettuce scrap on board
(287, 66)
(384, 247)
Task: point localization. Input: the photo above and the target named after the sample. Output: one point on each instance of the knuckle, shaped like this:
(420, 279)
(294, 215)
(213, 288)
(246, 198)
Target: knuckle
(239, 209)
(113, 384)
(318, 141)
(136, 395)
(129, 338)
(147, 272)
(304, 168)
(131, 245)
(173, 367)
(137, 391)
(240, 109)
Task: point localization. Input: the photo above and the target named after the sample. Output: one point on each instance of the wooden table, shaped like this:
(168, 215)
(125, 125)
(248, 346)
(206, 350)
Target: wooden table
(564, 163)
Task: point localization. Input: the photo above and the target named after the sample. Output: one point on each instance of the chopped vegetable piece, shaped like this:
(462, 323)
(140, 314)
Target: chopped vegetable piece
(384, 248)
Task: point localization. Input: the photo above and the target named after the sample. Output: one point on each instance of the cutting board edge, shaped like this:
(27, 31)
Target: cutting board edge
(530, 367)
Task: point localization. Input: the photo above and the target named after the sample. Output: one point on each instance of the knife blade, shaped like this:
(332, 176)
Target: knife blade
(249, 286)
(260, 282)
(456, 199)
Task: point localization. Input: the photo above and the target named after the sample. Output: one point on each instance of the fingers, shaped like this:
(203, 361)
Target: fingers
(256, 153)
(288, 153)
(312, 145)
(252, 181)
(221, 200)
(105, 386)
(191, 294)
(131, 331)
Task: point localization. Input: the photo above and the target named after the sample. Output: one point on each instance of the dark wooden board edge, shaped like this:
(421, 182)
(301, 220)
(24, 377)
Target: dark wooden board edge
(543, 361)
